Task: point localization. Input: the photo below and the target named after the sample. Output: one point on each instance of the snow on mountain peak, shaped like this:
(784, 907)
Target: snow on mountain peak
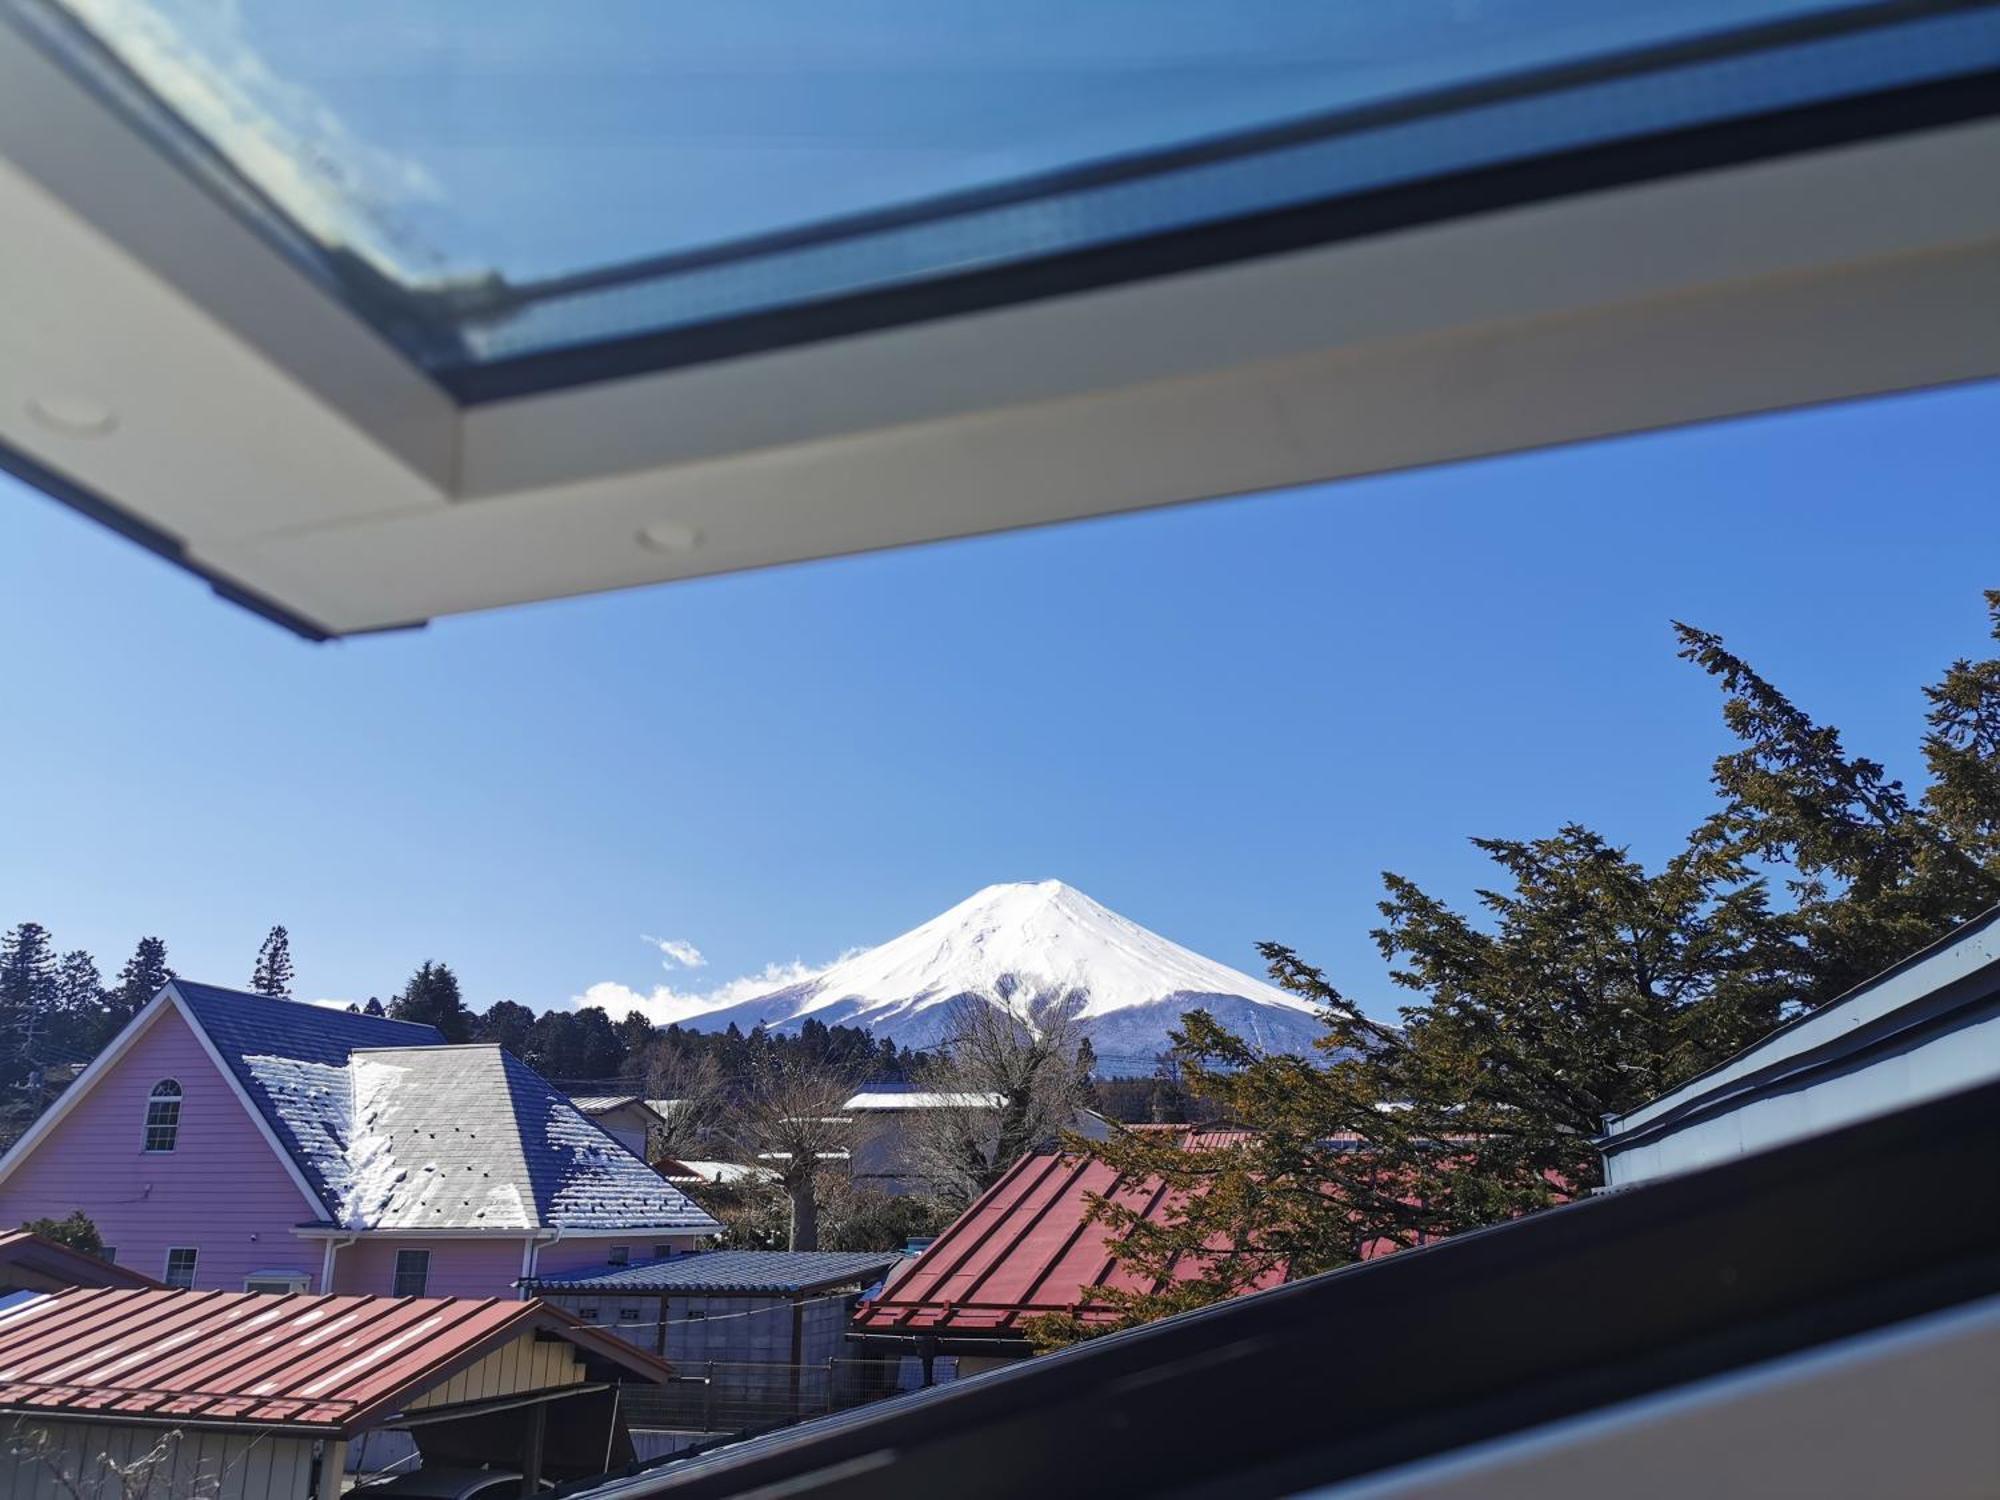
(1038, 938)
(1022, 944)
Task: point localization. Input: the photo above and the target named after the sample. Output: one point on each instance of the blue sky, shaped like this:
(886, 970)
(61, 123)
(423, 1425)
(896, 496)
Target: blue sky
(1222, 720)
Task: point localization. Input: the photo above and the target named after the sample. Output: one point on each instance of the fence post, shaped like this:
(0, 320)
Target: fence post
(708, 1400)
(829, 1383)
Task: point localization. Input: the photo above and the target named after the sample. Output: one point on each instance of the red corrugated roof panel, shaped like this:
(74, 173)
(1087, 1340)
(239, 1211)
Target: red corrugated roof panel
(1026, 1248)
(324, 1363)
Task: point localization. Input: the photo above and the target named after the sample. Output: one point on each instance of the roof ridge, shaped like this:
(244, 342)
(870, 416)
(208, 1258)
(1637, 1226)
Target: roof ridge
(312, 1005)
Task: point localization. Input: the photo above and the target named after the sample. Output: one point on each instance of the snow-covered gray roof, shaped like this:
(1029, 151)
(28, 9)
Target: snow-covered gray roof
(471, 1137)
(394, 1129)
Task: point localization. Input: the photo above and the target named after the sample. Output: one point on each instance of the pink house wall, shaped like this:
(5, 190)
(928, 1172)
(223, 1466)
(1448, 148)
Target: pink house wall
(565, 1256)
(459, 1268)
(222, 1189)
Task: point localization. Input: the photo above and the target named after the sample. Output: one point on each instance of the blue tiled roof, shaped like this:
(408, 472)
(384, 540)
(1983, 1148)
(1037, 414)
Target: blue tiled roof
(774, 1271)
(306, 1114)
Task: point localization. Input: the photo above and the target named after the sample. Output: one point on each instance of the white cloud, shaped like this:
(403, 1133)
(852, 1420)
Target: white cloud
(280, 135)
(677, 951)
(666, 1005)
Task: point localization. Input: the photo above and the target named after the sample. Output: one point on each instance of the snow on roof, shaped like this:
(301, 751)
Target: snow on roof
(598, 1104)
(471, 1137)
(291, 1059)
(395, 1129)
(888, 1099)
(716, 1171)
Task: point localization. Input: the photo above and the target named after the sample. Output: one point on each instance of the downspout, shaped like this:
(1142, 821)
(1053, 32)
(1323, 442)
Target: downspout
(334, 1246)
(531, 1249)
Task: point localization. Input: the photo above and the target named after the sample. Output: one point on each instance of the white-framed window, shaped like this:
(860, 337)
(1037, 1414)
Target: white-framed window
(180, 1266)
(413, 1272)
(587, 1312)
(108, 1254)
(276, 1283)
(628, 1314)
(163, 1116)
(619, 1255)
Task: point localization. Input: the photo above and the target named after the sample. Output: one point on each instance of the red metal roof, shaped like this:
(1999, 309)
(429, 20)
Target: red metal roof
(1025, 1249)
(30, 1262)
(324, 1364)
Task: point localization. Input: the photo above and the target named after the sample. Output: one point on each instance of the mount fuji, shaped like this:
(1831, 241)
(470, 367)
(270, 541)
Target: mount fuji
(1025, 945)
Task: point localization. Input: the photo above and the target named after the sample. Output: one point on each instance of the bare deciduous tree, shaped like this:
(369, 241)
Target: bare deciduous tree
(1008, 1081)
(145, 1476)
(691, 1096)
(791, 1117)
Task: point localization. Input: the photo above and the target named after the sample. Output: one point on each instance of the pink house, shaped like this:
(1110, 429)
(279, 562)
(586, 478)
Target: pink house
(236, 1142)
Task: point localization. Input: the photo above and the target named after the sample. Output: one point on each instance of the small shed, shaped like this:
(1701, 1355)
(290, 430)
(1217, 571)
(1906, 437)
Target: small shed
(161, 1394)
(757, 1337)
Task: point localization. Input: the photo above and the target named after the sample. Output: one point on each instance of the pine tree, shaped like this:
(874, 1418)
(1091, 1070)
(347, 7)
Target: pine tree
(28, 971)
(27, 1001)
(74, 1029)
(508, 1023)
(1874, 874)
(432, 997)
(1587, 985)
(273, 973)
(79, 986)
(141, 978)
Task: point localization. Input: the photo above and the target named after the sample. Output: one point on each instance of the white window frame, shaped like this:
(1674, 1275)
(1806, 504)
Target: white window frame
(193, 1254)
(166, 1097)
(396, 1284)
(277, 1283)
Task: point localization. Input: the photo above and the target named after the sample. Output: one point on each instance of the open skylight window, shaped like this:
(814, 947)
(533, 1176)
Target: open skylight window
(369, 315)
(494, 195)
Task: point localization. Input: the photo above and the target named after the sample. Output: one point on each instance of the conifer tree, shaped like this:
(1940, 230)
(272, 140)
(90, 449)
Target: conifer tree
(273, 973)
(1586, 985)
(141, 978)
(432, 997)
(27, 1003)
(27, 971)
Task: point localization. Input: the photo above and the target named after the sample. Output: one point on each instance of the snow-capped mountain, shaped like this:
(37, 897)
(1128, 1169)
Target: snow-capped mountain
(1025, 945)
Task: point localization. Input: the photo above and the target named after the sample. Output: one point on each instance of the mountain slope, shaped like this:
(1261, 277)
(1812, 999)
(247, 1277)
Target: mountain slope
(1023, 945)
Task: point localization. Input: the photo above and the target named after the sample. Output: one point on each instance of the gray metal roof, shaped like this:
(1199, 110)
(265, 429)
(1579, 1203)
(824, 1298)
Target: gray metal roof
(778, 1271)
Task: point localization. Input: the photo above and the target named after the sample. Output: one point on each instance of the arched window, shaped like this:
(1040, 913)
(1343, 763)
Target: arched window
(163, 1116)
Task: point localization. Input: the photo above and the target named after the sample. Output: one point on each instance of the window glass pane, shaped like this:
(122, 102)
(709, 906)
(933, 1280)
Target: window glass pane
(163, 1116)
(619, 1255)
(413, 1271)
(528, 184)
(180, 1267)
